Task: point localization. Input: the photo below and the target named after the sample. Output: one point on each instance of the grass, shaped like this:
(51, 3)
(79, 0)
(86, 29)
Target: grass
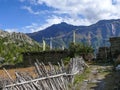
(81, 77)
(88, 75)
(31, 70)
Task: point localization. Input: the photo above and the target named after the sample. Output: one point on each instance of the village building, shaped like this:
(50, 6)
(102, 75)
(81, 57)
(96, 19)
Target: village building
(103, 53)
(112, 52)
(115, 46)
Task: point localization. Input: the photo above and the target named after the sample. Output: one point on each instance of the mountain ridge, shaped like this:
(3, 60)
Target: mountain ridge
(95, 33)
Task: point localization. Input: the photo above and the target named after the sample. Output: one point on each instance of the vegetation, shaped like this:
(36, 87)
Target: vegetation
(10, 50)
(78, 80)
(81, 77)
(12, 45)
(66, 60)
(77, 49)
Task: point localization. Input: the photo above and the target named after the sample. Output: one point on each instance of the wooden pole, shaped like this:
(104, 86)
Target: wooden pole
(51, 43)
(44, 45)
(74, 36)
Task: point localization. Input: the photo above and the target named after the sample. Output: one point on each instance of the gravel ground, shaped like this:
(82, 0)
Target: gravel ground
(96, 78)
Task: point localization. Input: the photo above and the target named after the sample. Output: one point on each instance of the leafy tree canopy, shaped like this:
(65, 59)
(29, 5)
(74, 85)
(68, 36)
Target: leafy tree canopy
(77, 49)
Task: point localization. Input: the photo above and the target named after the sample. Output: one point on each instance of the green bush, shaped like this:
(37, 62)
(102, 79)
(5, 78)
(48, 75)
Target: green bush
(11, 51)
(76, 49)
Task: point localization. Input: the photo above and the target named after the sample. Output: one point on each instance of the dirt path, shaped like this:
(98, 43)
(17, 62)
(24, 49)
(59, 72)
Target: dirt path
(99, 78)
(95, 80)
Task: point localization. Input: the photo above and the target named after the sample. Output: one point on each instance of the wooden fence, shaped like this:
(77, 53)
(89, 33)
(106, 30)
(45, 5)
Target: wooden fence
(48, 78)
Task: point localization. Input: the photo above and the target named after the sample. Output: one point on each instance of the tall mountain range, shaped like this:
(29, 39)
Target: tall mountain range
(96, 34)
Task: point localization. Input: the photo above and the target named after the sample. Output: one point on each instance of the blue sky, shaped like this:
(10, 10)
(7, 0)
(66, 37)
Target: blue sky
(33, 15)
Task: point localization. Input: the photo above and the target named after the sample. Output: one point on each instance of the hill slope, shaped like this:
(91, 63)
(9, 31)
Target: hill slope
(12, 44)
(95, 34)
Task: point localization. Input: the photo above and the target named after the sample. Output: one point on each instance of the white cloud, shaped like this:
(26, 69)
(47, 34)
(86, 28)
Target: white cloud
(30, 28)
(27, 29)
(92, 10)
(77, 12)
(29, 9)
(56, 20)
(73, 21)
(12, 30)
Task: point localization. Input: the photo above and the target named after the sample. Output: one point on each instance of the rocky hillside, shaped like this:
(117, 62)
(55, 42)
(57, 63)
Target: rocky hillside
(13, 44)
(14, 37)
(96, 34)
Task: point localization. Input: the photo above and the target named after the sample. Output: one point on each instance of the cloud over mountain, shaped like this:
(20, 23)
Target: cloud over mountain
(77, 12)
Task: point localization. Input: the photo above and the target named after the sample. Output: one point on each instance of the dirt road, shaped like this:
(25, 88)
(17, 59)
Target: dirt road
(96, 79)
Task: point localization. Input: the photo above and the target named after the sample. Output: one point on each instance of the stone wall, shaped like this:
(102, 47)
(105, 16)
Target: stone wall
(111, 52)
(103, 53)
(115, 46)
(46, 56)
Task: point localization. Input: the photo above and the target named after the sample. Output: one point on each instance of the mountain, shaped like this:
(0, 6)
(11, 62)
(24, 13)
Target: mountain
(52, 31)
(13, 44)
(96, 34)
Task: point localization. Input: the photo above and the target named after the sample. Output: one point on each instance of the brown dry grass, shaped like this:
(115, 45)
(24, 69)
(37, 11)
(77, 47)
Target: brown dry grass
(30, 70)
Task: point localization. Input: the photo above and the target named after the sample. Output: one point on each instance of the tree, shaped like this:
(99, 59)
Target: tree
(77, 49)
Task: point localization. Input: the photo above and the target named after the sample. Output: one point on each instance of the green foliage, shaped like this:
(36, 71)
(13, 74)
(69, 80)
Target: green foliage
(81, 77)
(79, 48)
(11, 50)
(66, 60)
